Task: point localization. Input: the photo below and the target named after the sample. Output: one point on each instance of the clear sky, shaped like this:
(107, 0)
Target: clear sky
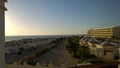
(59, 17)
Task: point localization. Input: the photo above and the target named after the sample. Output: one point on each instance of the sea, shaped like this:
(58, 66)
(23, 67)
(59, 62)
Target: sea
(11, 38)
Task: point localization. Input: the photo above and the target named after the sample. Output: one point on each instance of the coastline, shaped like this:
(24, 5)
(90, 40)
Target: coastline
(11, 38)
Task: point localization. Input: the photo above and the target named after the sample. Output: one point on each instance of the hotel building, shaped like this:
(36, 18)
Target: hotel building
(2, 32)
(109, 32)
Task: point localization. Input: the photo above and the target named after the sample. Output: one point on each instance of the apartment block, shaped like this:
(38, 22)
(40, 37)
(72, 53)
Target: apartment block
(109, 32)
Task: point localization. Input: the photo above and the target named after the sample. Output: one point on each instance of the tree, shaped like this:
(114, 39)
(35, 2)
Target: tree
(72, 45)
(83, 52)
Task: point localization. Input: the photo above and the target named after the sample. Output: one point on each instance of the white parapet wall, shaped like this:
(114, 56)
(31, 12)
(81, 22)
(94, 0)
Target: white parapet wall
(2, 32)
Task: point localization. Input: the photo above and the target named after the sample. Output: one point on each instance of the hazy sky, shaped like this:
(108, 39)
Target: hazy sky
(58, 17)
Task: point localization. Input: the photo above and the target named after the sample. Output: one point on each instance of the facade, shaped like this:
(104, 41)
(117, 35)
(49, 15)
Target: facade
(106, 50)
(110, 32)
(2, 32)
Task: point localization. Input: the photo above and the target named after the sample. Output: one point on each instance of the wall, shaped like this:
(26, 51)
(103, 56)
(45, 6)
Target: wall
(102, 65)
(2, 33)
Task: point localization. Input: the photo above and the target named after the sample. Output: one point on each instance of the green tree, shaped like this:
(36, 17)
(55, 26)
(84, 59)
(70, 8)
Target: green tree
(83, 52)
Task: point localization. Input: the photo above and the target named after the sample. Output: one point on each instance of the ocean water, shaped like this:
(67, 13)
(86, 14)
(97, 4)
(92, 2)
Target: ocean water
(11, 38)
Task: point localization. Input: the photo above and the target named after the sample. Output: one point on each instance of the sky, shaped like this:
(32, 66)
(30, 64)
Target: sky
(59, 17)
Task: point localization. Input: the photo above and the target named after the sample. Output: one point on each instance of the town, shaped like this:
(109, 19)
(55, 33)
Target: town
(77, 34)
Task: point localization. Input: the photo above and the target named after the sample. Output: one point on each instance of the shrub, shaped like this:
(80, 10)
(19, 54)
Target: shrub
(96, 60)
(32, 62)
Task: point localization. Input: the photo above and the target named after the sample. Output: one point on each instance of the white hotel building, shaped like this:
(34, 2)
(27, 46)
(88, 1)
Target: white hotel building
(107, 32)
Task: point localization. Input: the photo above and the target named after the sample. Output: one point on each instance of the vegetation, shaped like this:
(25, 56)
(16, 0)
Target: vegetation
(84, 52)
(73, 46)
(31, 59)
(116, 57)
(32, 62)
(80, 52)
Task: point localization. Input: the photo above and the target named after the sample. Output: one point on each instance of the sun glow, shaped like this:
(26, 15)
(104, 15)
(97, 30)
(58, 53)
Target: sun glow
(6, 28)
(9, 26)
(14, 28)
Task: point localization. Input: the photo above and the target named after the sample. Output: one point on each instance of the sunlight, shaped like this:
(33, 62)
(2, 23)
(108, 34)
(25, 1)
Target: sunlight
(9, 27)
(6, 28)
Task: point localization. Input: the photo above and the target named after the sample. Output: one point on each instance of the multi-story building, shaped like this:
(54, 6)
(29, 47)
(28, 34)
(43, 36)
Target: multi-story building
(2, 31)
(109, 32)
